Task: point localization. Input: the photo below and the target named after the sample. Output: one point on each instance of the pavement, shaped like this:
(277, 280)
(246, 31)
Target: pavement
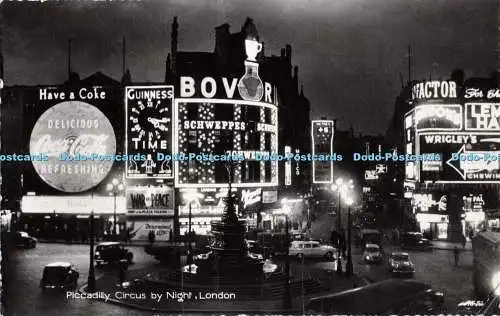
(146, 294)
(448, 245)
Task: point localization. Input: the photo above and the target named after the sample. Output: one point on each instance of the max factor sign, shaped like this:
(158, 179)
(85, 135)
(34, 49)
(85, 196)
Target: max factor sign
(434, 90)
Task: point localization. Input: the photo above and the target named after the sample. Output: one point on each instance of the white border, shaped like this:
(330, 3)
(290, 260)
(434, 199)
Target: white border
(459, 106)
(274, 164)
(478, 129)
(331, 150)
(141, 176)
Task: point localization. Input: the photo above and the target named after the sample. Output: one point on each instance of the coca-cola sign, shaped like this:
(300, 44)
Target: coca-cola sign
(65, 132)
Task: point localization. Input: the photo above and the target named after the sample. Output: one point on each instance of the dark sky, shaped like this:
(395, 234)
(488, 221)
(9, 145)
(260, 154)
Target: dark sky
(350, 53)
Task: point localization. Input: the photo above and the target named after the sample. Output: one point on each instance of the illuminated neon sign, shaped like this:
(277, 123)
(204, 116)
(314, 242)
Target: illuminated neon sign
(149, 130)
(70, 129)
(322, 133)
(434, 90)
(249, 128)
(482, 116)
(438, 117)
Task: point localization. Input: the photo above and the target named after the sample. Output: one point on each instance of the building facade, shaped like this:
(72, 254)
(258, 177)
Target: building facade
(177, 136)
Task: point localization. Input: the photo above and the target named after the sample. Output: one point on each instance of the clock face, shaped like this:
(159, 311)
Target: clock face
(149, 122)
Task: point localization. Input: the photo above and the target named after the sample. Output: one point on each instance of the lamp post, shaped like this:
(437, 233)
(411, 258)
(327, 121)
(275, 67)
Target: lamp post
(287, 301)
(91, 277)
(114, 188)
(341, 187)
(349, 268)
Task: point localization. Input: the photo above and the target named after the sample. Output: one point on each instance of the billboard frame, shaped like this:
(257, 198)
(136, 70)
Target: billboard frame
(175, 148)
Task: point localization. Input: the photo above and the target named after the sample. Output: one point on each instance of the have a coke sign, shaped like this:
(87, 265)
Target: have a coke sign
(68, 130)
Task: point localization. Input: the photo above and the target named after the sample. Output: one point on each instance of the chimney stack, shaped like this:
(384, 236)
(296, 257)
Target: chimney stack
(173, 45)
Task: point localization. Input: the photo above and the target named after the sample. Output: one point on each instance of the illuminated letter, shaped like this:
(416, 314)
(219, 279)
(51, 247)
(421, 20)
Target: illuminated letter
(229, 89)
(213, 87)
(187, 87)
(444, 90)
(427, 90)
(452, 89)
(268, 88)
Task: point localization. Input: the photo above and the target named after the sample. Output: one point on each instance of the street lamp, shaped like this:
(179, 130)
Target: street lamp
(349, 269)
(287, 301)
(91, 277)
(342, 188)
(114, 188)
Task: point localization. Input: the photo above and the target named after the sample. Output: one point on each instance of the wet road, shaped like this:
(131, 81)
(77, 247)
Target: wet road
(24, 297)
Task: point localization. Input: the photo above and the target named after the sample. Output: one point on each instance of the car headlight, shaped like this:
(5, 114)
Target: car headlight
(367, 257)
(97, 253)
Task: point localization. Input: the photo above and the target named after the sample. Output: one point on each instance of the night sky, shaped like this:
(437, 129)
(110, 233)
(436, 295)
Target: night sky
(350, 53)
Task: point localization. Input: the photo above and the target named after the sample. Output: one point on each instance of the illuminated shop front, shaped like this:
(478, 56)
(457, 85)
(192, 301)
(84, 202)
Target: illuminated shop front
(458, 125)
(434, 225)
(473, 218)
(430, 212)
(207, 204)
(68, 216)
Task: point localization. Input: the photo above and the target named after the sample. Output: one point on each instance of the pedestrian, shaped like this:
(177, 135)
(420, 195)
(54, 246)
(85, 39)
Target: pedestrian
(456, 253)
(122, 271)
(151, 236)
(464, 241)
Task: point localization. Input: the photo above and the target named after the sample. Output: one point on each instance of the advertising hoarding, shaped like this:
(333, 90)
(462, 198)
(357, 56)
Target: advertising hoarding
(218, 131)
(140, 229)
(466, 157)
(150, 201)
(73, 136)
(322, 132)
(149, 130)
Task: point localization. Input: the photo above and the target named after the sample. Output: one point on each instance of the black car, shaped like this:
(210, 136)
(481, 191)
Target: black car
(112, 252)
(414, 240)
(59, 275)
(24, 240)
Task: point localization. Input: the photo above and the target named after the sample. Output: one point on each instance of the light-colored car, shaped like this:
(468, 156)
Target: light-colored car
(373, 253)
(399, 264)
(311, 249)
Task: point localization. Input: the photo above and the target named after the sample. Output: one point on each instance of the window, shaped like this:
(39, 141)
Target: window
(308, 246)
(315, 245)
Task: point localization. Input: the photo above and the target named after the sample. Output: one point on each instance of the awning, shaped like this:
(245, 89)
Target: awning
(72, 204)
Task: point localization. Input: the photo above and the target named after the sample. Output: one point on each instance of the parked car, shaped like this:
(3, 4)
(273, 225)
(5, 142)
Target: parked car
(400, 264)
(23, 239)
(312, 249)
(372, 253)
(112, 252)
(254, 250)
(61, 275)
(414, 240)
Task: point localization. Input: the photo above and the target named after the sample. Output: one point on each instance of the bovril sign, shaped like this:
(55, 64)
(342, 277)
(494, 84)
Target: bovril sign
(221, 88)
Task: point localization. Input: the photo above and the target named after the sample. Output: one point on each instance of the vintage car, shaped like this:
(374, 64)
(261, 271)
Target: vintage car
(372, 253)
(400, 264)
(311, 249)
(414, 240)
(112, 252)
(24, 240)
(254, 250)
(59, 275)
